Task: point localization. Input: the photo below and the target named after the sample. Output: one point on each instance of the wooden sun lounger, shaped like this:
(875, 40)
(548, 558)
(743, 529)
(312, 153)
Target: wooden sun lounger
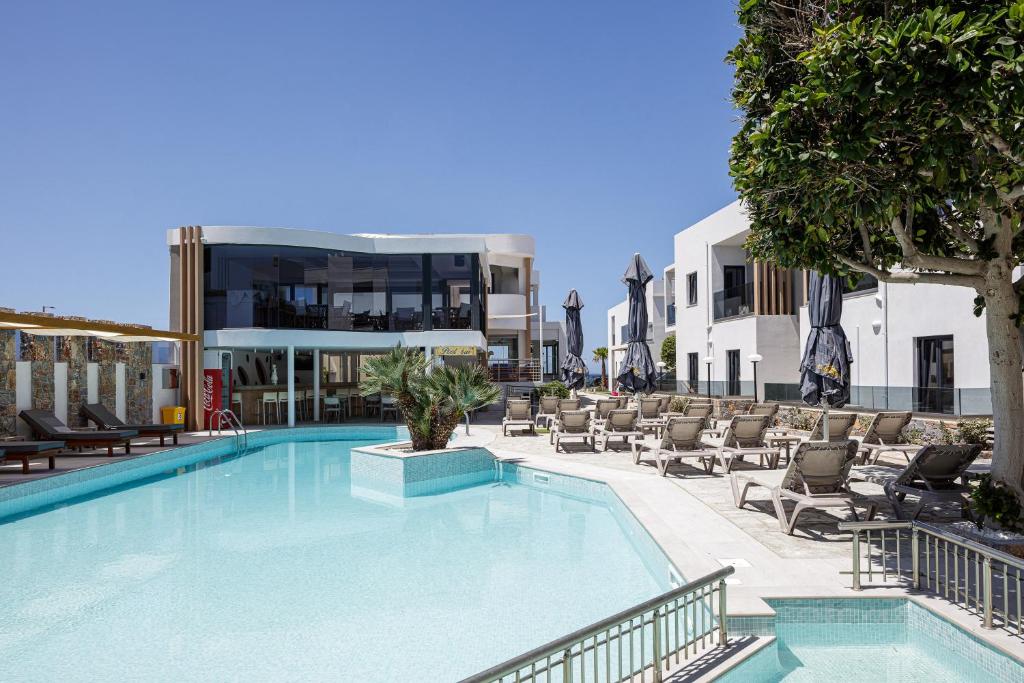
(26, 451)
(46, 426)
(108, 421)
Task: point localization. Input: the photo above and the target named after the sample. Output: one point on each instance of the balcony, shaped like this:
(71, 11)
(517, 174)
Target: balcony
(733, 302)
(514, 370)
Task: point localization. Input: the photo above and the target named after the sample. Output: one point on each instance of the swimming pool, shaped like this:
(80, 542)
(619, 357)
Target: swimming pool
(868, 639)
(272, 566)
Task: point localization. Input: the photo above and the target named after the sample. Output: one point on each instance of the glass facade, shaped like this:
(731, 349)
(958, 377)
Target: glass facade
(283, 287)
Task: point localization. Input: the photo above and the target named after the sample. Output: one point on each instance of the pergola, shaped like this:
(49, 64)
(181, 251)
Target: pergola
(73, 326)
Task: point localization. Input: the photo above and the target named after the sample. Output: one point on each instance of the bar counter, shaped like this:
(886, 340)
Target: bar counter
(252, 401)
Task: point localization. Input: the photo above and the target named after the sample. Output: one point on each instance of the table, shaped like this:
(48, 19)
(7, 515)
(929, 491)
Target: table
(782, 440)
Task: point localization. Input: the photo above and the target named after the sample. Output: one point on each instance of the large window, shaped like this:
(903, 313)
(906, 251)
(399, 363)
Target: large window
(305, 288)
(692, 370)
(691, 289)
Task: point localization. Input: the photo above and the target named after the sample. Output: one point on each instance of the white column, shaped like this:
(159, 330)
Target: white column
(316, 385)
(291, 386)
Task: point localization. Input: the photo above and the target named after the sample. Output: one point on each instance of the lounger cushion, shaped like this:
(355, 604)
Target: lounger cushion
(20, 447)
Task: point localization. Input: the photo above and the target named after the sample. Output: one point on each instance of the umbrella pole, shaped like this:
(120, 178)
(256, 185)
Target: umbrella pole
(824, 423)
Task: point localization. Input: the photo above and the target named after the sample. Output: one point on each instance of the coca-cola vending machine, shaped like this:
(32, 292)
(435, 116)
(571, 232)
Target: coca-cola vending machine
(216, 386)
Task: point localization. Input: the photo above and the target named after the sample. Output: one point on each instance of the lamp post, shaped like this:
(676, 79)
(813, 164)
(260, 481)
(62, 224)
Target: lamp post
(661, 365)
(708, 360)
(755, 358)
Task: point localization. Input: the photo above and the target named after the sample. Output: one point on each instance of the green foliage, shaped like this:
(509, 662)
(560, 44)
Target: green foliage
(974, 431)
(433, 402)
(860, 113)
(601, 356)
(555, 388)
(993, 502)
(668, 351)
(678, 404)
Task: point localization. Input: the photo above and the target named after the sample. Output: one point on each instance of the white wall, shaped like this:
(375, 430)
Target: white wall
(60, 391)
(22, 393)
(162, 396)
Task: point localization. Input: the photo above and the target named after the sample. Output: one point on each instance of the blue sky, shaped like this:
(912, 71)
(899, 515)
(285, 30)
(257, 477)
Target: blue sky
(601, 128)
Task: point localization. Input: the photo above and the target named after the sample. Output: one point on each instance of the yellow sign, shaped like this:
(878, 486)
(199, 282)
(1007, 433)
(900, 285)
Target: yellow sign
(454, 350)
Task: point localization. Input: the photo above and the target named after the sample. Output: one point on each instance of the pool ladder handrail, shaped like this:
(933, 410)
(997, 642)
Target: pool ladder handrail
(226, 416)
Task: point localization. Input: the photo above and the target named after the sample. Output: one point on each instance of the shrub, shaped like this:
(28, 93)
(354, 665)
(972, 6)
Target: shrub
(555, 388)
(974, 431)
(995, 503)
(678, 404)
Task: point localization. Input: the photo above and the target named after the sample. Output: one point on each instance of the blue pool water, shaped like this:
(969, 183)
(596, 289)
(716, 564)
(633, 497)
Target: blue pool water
(271, 566)
(870, 640)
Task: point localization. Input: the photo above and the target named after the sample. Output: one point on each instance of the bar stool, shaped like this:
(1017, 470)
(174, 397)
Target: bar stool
(282, 400)
(270, 402)
(236, 400)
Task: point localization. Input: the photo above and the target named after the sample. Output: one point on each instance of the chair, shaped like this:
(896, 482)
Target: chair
(694, 409)
(106, 420)
(282, 400)
(26, 451)
(573, 424)
(388, 406)
(371, 404)
(681, 439)
(769, 409)
(932, 475)
(666, 402)
(885, 435)
(518, 414)
(815, 479)
(332, 405)
(839, 427)
(745, 436)
(621, 424)
(547, 410)
(269, 402)
(236, 400)
(47, 427)
(623, 401)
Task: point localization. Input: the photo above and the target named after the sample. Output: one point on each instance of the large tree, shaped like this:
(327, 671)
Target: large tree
(886, 137)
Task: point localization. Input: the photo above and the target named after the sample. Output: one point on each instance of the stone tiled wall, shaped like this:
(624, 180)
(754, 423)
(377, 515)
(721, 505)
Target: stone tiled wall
(73, 352)
(39, 350)
(105, 355)
(139, 383)
(8, 378)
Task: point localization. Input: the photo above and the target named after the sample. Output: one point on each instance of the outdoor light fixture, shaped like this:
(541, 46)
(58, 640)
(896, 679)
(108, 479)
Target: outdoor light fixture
(755, 358)
(709, 360)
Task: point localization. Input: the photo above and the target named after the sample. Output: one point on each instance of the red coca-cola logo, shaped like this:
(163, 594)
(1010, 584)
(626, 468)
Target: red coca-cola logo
(208, 393)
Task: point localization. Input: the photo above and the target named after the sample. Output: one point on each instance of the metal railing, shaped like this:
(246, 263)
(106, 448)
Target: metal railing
(637, 644)
(514, 370)
(227, 417)
(978, 578)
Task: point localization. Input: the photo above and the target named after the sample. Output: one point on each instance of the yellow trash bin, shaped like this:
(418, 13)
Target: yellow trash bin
(173, 415)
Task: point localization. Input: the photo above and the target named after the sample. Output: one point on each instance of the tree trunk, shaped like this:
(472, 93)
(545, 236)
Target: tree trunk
(1005, 377)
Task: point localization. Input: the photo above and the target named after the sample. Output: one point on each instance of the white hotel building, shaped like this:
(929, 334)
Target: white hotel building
(915, 347)
(295, 310)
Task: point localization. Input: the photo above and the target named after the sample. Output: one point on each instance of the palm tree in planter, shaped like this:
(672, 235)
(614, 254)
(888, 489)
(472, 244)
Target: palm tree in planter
(433, 402)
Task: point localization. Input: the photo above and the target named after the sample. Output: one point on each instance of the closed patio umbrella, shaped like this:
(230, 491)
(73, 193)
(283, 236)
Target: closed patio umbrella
(574, 370)
(825, 368)
(637, 372)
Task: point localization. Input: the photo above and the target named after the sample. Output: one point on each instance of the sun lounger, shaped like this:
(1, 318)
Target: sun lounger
(815, 479)
(650, 415)
(26, 451)
(106, 420)
(839, 427)
(547, 409)
(518, 414)
(745, 436)
(934, 474)
(564, 404)
(573, 424)
(621, 424)
(885, 435)
(681, 440)
(46, 426)
(601, 410)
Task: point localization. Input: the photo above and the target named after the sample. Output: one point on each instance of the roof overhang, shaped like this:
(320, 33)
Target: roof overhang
(52, 326)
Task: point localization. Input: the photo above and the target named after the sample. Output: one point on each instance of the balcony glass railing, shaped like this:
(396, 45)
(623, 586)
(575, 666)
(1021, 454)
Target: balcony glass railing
(670, 315)
(734, 301)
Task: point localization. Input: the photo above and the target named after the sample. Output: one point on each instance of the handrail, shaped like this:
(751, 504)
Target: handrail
(575, 645)
(971, 574)
(227, 416)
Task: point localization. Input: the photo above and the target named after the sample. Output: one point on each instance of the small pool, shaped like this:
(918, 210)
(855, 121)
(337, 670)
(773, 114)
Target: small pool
(870, 640)
(273, 566)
